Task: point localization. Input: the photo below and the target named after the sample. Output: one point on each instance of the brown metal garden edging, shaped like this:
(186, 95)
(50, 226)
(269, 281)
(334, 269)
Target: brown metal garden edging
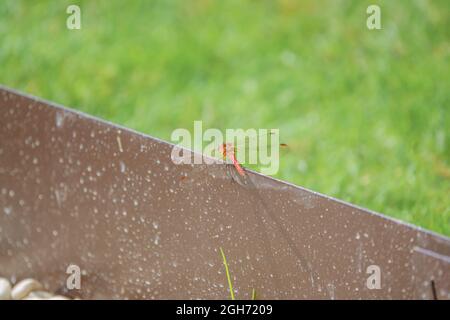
(78, 190)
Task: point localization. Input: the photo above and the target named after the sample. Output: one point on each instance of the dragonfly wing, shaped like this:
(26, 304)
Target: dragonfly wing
(249, 152)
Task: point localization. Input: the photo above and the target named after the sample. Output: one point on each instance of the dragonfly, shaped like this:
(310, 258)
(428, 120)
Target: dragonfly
(230, 150)
(234, 154)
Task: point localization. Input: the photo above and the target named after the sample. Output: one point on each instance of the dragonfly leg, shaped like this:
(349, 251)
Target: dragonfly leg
(230, 173)
(235, 176)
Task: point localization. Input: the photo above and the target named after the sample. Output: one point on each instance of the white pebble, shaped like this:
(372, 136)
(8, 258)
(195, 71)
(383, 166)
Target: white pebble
(24, 287)
(5, 289)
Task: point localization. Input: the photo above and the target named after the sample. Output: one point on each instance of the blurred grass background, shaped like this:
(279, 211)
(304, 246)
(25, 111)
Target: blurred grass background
(365, 113)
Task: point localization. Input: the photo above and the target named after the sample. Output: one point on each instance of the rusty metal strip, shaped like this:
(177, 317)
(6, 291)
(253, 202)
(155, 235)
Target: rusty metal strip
(78, 190)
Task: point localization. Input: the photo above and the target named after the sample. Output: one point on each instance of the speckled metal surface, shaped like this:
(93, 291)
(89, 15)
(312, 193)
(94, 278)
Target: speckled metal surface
(78, 190)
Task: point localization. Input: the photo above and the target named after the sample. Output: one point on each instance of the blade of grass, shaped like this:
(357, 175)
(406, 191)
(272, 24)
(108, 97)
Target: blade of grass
(230, 284)
(253, 294)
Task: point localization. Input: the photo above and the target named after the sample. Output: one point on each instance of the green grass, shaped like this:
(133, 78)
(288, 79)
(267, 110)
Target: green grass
(366, 113)
(229, 281)
(227, 272)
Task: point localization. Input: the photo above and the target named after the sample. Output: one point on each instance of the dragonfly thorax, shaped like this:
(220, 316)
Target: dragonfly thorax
(227, 149)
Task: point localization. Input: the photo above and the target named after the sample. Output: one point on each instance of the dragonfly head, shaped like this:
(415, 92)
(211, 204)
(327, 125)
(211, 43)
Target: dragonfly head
(226, 149)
